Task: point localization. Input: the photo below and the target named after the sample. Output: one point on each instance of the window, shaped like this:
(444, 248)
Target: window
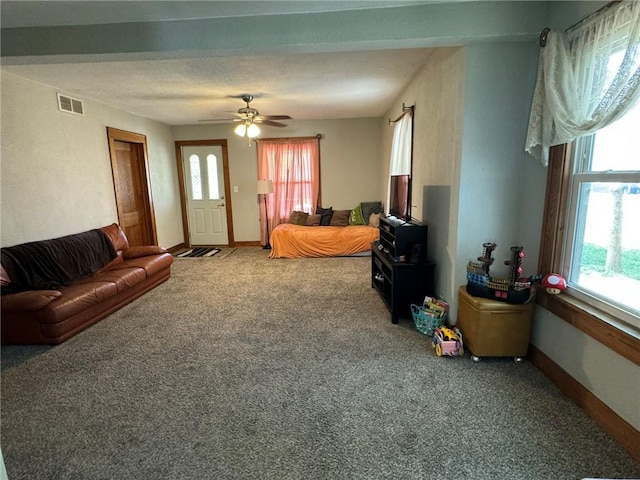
(400, 163)
(293, 165)
(212, 173)
(196, 178)
(601, 255)
(294, 180)
(208, 182)
(596, 315)
(586, 104)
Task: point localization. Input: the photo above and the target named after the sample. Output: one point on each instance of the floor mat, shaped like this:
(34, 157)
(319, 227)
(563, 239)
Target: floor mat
(198, 252)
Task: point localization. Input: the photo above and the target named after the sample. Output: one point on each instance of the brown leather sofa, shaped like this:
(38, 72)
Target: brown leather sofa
(53, 316)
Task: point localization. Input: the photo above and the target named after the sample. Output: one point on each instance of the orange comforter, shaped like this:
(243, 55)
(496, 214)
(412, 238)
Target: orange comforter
(296, 241)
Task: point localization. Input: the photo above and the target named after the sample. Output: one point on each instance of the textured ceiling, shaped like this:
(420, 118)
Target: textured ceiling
(175, 92)
(182, 62)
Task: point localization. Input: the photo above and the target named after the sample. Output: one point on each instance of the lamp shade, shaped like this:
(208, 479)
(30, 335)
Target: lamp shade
(252, 130)
(265, 186)
(241, 129)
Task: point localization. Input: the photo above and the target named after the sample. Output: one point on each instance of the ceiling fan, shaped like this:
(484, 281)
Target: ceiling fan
(249, 117)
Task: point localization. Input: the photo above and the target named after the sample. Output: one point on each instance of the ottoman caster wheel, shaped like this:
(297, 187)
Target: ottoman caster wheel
(518, 359)
(475, 358)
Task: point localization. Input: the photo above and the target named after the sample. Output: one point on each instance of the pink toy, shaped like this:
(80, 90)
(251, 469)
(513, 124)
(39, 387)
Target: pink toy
(554, 283)
(448, 341)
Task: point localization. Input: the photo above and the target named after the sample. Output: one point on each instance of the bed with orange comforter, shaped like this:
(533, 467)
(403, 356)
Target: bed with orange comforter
(297, 241)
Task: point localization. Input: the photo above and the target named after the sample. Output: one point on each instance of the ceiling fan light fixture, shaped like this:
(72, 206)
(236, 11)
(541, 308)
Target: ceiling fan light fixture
(253, 131)
(240, 130)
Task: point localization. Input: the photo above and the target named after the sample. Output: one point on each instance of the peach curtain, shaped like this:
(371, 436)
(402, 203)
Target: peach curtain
(293, 165)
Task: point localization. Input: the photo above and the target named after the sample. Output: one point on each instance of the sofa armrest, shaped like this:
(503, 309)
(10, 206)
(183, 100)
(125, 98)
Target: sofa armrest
(31, 300)
(143, 251)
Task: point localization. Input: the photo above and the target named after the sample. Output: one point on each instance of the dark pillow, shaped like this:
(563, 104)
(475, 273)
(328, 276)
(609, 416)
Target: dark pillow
(370, 207)
(326, 213)
(313, 220)
(340, 218)
(298, 218)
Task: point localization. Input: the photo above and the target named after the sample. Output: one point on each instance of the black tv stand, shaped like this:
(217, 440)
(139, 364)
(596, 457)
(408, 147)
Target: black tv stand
(400, 276)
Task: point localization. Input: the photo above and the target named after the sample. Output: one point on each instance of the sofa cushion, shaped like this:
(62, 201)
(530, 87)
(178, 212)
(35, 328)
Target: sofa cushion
(313, 220)
(368, 208)
(151, 265)
(340, 218)
(326, 214)
(143, 251)
(123, 278)
(76, 298)
(298, 218)
(356, 218)
(119, 258)
(29, 301)
(117, 236)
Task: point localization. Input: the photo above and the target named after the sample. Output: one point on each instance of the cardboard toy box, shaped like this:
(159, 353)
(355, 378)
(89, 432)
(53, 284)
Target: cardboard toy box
(492, 328)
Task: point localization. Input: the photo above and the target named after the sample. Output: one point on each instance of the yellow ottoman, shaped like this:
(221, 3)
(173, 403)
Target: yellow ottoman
(494, 329)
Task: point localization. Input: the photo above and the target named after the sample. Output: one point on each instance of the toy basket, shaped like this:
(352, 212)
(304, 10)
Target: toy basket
(425, 320)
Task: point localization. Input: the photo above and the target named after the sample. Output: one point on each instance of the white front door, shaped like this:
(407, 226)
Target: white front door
(206, 207)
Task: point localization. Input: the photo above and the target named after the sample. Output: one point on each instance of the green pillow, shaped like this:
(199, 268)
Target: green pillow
(356, 217)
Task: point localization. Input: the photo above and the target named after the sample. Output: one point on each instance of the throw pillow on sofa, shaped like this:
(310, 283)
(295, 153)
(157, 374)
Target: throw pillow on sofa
(356, 218)
(340, 218)
(370, 207)
(326, 214)
(374, 220)
(313, 220)
(298, 218)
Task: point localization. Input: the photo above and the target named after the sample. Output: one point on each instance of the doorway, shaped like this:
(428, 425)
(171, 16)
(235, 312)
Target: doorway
(205, 194)
(129, 166)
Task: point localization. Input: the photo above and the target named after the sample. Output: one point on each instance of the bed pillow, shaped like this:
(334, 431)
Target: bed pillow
(313, 220)
(374, 220)
(340, 218)
(326, 214)
(370, 207)
(356, 217)
(298, 218)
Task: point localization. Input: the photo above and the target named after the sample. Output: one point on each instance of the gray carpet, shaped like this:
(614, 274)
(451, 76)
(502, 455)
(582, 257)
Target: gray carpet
(250, 368)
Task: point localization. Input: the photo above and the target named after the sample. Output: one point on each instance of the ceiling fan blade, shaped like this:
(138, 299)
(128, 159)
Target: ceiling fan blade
(276, 117)
(217, 120)
(271, 123)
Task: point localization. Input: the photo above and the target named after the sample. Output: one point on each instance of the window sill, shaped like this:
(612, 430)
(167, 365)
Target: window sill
(599, 325)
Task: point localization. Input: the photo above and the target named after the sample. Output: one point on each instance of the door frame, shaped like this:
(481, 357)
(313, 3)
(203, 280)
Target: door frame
(117, 135)
(183, 189)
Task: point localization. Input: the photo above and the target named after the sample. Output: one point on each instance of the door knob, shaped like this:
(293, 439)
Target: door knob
(221, 204)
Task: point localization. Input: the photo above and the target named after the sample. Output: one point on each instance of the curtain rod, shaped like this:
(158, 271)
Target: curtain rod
(405, 110)
(608, 5)
(287, 139)
(545, 32)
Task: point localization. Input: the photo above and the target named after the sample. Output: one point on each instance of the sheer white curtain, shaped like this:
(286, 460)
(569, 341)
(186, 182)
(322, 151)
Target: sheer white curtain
(588, 78)
(400, 161)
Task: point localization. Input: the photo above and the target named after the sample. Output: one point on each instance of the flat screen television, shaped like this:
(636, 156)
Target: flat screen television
(399, 201)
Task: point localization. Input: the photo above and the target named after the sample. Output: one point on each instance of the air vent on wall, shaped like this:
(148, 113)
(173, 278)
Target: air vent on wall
(70, 105)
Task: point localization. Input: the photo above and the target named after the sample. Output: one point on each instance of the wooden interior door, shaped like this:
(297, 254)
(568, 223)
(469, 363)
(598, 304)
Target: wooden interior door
(131, 185)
